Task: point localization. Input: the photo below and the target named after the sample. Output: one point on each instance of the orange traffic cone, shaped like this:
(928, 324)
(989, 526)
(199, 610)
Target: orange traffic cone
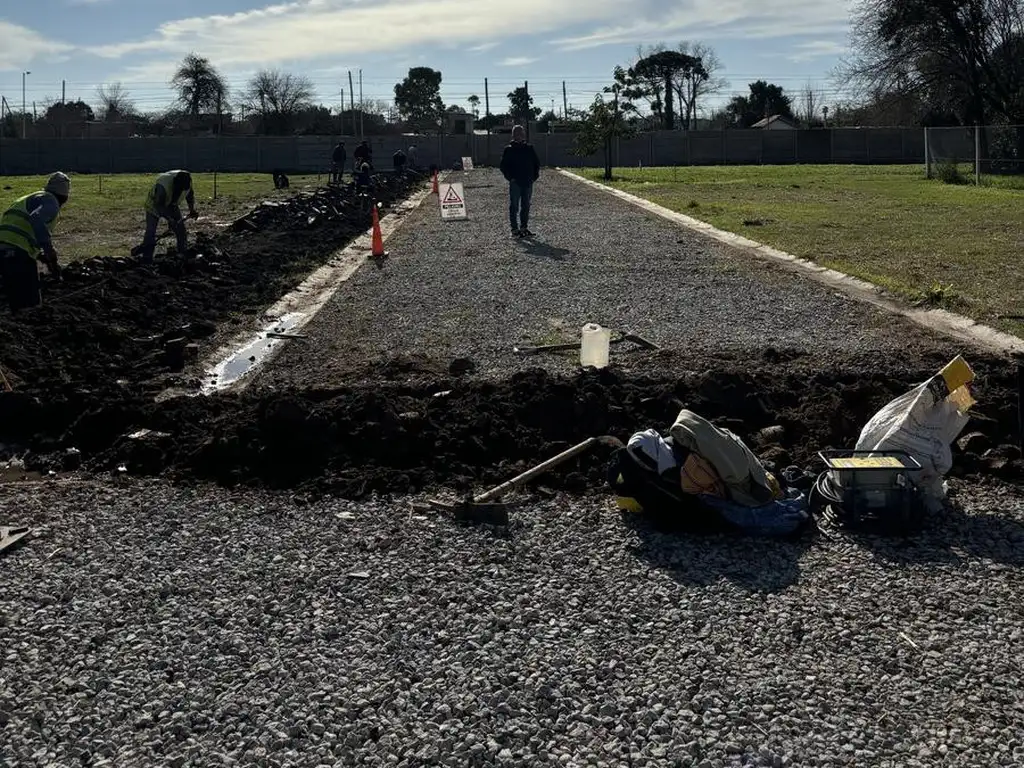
(378, 240)
(435, 190)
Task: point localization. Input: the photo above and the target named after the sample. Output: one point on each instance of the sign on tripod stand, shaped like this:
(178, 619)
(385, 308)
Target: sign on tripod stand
(453, 202)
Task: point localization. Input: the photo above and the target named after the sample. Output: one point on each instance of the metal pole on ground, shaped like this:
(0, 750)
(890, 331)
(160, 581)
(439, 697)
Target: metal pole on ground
(526, 87)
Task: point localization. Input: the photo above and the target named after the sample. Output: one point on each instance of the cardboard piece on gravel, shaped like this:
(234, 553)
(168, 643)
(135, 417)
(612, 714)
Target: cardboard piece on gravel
(453, 202)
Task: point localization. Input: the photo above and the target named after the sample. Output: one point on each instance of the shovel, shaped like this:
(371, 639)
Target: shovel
(622, 337)
(486, 509)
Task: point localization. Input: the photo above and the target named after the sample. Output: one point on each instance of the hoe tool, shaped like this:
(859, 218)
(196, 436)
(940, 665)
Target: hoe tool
(486, 508)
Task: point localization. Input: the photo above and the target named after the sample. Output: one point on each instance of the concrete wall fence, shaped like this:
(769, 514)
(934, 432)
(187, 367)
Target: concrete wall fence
(311, 154)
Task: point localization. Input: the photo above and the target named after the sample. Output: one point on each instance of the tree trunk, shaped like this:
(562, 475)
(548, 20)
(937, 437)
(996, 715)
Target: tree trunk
(608, 158)
(669, 117)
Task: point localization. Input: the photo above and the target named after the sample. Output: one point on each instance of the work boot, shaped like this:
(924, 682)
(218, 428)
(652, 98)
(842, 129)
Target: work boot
(516, 233)
(524, 232)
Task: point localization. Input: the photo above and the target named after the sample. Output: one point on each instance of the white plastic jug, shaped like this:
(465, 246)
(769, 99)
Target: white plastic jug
(594, 346)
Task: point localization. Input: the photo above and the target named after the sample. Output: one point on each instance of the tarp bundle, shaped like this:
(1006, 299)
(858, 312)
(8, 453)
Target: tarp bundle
(703, 477)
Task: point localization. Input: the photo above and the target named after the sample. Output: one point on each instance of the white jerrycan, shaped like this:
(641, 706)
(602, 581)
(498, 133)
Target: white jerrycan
(594, 346)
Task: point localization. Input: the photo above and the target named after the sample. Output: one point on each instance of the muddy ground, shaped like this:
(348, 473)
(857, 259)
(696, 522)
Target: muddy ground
(85, 369)
(101, 336)
(412, 425)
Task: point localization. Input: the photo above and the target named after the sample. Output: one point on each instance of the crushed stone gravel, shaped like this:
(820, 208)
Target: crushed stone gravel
(466, 289)
(147, 624)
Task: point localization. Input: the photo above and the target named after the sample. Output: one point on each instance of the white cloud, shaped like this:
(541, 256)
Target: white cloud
(816, 49)
(721, 19)
(19, 46)
(516, 61)
(308, 29)
(483, 47)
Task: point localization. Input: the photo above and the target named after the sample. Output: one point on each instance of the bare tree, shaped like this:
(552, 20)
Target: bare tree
(277, 97)
(700, 82)
(954, 55)
(115, 103)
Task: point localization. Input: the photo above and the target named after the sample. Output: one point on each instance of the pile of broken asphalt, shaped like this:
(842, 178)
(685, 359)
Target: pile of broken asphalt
(86, 368)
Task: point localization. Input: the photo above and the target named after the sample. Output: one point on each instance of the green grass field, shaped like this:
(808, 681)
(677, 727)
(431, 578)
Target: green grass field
(959, 247)
(105, 217)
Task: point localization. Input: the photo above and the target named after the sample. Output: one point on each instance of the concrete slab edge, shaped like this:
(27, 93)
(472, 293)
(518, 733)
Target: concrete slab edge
(939, 320)
(310, 296)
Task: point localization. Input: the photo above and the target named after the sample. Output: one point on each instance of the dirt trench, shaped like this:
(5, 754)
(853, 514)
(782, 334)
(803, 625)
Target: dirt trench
(410, 427)
(101, 335)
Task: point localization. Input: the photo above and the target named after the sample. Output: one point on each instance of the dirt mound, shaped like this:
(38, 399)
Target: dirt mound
(102, 331)
(404, 435)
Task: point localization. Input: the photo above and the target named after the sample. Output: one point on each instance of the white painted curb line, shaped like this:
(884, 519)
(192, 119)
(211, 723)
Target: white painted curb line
(302, 303)
(939, 320)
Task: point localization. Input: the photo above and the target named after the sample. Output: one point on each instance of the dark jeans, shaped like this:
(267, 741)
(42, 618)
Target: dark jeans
(519, 196)
(19, 278)
(177, 225)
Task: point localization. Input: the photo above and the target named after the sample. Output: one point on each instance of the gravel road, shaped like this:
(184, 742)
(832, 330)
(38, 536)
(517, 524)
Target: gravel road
(466, 289)
(155, 625)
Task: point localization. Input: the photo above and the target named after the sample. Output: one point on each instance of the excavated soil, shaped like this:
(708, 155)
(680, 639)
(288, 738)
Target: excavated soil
(411, 427)
(85, 367)
(102, 332)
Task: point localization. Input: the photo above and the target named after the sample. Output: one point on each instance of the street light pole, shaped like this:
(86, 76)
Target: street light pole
(24, 106)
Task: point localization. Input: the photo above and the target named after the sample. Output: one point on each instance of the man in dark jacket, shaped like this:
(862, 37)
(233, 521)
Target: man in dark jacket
(363, 154)
(521, 167)
(338, 158)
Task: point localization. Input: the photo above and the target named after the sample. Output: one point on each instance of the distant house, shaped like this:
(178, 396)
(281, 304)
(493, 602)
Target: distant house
(459, 123)
(775, 123)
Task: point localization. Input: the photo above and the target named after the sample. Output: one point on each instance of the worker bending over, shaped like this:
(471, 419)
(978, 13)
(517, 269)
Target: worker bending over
(163, 203)
(25, 230)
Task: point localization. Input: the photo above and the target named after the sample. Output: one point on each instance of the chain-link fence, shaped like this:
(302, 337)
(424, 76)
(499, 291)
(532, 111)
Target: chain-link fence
(975, 154)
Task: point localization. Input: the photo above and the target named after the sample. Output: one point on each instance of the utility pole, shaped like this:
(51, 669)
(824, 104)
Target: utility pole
(63, 91)
(352, 101)
(361, 104)
(487, 117)
(526, 101)
(341, 114)
(24, 106)
(565, 103)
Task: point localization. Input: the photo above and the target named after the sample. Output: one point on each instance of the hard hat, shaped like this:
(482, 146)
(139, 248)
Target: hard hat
(59, 184)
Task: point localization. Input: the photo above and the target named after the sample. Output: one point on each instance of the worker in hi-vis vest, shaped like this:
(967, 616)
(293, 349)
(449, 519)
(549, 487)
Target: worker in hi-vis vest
(25, 230)
(163, 203)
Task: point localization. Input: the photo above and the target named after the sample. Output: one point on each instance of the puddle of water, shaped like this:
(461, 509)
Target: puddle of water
(251, 355)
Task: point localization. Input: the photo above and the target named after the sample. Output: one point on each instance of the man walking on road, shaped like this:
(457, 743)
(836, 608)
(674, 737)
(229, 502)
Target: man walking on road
(162, 203)
(521, 167)
(25, 230)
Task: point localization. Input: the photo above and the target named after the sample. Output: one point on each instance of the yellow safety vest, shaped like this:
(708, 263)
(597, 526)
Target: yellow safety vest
(16, 227)
(164, 181)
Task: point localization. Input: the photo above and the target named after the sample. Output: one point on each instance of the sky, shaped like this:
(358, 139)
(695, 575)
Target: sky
(545, 42)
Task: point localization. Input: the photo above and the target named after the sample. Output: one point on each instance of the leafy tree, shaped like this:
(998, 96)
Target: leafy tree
(763, 101)
(600, 124)
(521, 106)
(278, 97)
(474, 105)
(418, 98)
(69, 112)
(699, 81)
(632, 87)
(199, 85)
(544, 124)
(115, 103)
(666, 66)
